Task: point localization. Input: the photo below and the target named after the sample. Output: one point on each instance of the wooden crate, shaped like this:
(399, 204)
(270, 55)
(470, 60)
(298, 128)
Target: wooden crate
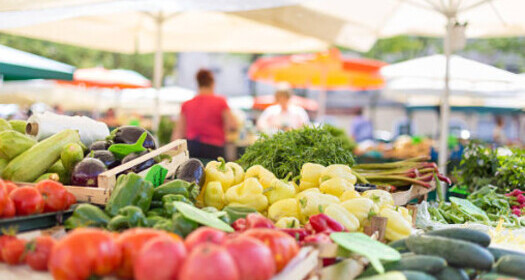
(177, 150)
(415, 191)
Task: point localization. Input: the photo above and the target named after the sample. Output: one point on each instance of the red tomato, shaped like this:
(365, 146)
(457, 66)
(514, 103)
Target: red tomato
(3, 196)
(131, 242)
(13, 251)
(54, 194)
(10, 186)
(256, 220)
(71, 199)
(203, 235)
(38, 252)
(83, 253)
(162, 251)
(9, 209)
(209, 261)
(4, 239)
(27, 201)
(283, 246)
(253, 259)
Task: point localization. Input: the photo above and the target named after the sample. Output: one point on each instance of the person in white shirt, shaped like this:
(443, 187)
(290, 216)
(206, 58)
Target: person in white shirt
(282, 116)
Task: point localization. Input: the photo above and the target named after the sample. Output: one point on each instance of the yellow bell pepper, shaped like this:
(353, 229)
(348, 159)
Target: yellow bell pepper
(349, 194)
(335, 186)
(249, 194)
(238, 172)
(396, 227)
(214, 195)
(288, 222)
(278, 190)
(218, 171)
(314, 202)
(305, 192)
(361, 207)
(262, 174)
(342, 216)
(338, 171)
(379, 197)
(284, 208)
(405, 213)
(310, 173)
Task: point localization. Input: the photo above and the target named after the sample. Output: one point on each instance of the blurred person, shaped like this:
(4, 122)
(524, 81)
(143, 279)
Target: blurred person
(283, 115)
(58, 109)
(362, 128)
(498, 134)
(205, 119)
(110, 118)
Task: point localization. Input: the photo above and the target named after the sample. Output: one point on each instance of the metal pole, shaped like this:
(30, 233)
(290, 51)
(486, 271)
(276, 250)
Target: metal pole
(157, 71)
(445, 108)
(321, 110)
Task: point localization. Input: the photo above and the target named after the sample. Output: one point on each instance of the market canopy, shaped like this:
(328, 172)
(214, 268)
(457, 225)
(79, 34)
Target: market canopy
(18, 5)
(114, 78)
(19, 65)
(426, 75)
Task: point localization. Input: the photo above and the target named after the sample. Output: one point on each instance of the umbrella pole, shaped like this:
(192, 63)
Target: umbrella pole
(445, 108)
(157, 71)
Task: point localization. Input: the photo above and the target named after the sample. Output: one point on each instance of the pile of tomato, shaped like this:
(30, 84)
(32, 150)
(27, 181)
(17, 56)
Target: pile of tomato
(46, 196)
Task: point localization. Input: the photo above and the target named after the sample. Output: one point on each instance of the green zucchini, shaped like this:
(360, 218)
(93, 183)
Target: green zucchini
(511, 265)
(14, 143)
(70, 156)
(400, 245)
(48, 176)
(34, 162)
(496, 276)
(457, 253)
(422, 263)
(465, 234)
(417, 275)
(18, 125)
(450, 273)
(498, 253)
(58, 168)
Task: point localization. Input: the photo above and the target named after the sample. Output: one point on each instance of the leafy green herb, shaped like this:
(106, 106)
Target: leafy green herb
(286, 152)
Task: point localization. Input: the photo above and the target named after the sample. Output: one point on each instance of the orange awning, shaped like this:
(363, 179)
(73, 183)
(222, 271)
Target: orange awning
(101, 77)
(325, 70)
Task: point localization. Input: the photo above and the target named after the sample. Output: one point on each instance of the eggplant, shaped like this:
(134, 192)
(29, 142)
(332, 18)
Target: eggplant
(86, 172)
(107, 158)
(139, 167)
(130, 135)
(100, 145)
(191, 171)
(365, 187)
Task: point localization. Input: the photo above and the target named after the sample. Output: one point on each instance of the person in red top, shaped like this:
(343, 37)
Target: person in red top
(204, 120)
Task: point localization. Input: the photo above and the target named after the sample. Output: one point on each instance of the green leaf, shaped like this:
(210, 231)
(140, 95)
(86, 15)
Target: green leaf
(468, 207)
(362, 244)
(192, 213)
(156, 175)
(122, 150)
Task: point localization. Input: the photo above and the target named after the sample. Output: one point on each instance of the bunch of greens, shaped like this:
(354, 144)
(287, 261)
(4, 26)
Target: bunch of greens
(348, 142)
(494, 204)
(286, 152)
(482, 165)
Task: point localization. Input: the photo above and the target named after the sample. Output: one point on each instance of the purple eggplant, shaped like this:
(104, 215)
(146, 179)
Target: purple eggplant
(100, 145)
(191, 171)
(106, 157)
(86, 172)
(139, 167)
(130, 135)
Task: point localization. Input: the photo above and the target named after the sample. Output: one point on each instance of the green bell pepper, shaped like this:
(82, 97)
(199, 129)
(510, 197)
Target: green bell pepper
(183, 226)
(222, 215)
(173, 187)
(131, 189)
(164, 224)
(168, 206)
(154, 220)
(238, 212)
(87, 215)
(156, 212)
(128, 217)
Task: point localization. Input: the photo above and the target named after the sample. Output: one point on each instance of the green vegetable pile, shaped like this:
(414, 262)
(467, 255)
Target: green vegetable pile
(482, 165)
(286, 152)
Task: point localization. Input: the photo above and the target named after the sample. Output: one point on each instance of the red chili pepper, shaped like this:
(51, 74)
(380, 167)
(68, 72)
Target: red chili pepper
(239, 224)
(256, 220)
(298, 233)
(323, 223)
(317, 238)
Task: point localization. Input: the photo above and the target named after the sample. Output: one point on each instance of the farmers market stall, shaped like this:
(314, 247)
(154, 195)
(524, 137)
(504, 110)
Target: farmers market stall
(295, 206)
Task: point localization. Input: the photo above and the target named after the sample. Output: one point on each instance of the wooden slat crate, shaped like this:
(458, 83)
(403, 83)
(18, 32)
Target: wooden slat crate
(177, 150)
(415, 191)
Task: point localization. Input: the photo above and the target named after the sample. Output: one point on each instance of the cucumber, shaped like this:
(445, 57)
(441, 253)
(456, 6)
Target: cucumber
(417, 275)
(34, 162)
(465, 234)
(58, 168)
(498, 253)
(511, 265)
(400, 245)
(496, 276)
(422, 263)
(450, 273)
(457, 253)
(18, 125)
(71, 155)
(14, 143)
